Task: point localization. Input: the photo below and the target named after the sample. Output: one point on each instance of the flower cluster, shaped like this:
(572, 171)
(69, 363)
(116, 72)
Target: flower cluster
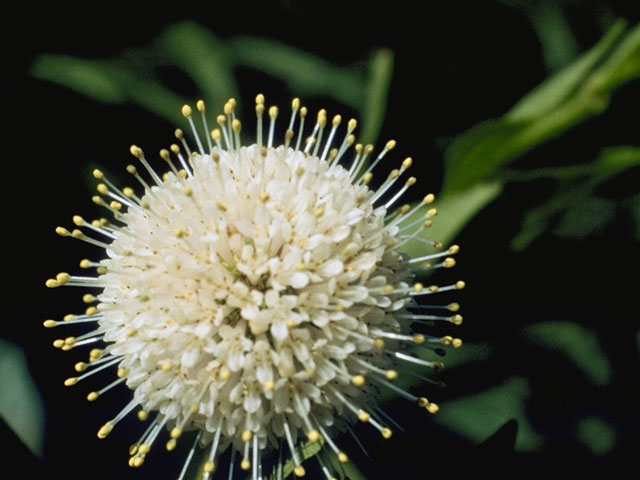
(257, 295)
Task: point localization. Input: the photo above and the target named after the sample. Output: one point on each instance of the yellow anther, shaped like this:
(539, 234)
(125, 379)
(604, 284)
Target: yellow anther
(423, 402)
(378, 343)
(434, 288)
(391, 374)
(460, 285)
(303, 112)
(209, 466)
(301, 267)
(246, 436)
(432, 408)
(236, 125)
(186, 111)
(142, 415)
(128, 192)
(260, 99)
(68, 317)
(229, 106)
(269, 385)
(98, 174)
(418, 339)
(122, 372)
(105, 430)
(446, 340)
(171, 444)
(313, 436)
(404, 209)
(80, 367)
(132, 170)
(407, 162)
(245, 464)
(456, 343)
(166, 366)
(391, 144)
(175, 432)
(394, 173)
(133, 449)
(456, 319)
(70, 381)
(264, 196)
(138, 461)
(188, 191)
(387, 288)
(144, 448)
(351, 139)
(225, 373)
(103, 190)
(368, 149)
(77, 233)
(164, 154)
(115, 205)
(359, 148)
(429, 198)
(319, 212)
(418, 287)
(51, 283)
(351, 126)
(200, 106)
(63, 232)
(70, 341)
(363, 416)
(49, 323)
(222, 120)
(92, 396)
(453, 249)
(367, 178)
(88, 298)
(136, 151)
(336, 120)
(299, 471)
(449, 262)
(386, 433)
(342, 457)
(411, 181)
(291, 323)
(432, 212)
(63, 277)
(358, 380)
(59, 343)
(101, 270)
(273, 112)
(295, 104)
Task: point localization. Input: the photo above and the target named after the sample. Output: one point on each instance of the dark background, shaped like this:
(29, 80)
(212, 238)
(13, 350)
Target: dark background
(455, 66)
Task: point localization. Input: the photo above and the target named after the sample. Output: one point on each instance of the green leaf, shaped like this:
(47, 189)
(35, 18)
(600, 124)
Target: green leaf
(580, 212)
(578, 343)
(558, 44)
(20, 403)
(478, 416)
(577, 92)
(108, 82)
(375, 99)
(95, 79)
(305, 451)
(557, 88)
(301, 71)
(597, 435)
(207, 60)
(454, 211)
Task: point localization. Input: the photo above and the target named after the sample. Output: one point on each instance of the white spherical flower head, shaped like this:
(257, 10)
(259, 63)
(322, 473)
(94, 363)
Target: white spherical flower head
(257, 295)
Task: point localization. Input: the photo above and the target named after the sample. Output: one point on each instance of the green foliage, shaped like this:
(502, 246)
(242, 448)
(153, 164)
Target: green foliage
(597, 435)
(20, 404)
(576, 342)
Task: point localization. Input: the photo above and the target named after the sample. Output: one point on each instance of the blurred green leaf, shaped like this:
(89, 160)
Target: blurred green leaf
(577, 92)
(20, 403)
(454, 211)
(305, 450)
(557, 88)
(634, 208)
(301, 71)
(206, 59)
(375, 99)
(478, 416)
(554, 32)
(597, 435)
(580, 212)
(108, 82)
(352, 471)
(578, 343)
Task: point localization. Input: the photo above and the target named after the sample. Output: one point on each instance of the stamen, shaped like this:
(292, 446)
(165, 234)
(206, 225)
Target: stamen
(303, 115)
(259, 114)
(273, 114)
(139, 154)
(390, 145)
(201, 108)
(185, 467)
(335, 123)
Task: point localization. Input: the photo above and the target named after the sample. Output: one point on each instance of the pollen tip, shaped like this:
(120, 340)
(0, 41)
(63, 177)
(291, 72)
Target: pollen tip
(456, 319)
(432, 408)
(391, 374)
(378, 343)
(460, 285)
(63, 232)
(342, 457)
(105, 430)
(299, 471)
(142, 415)
(186, 111)
(453, 249)
(98, 174)
(80, 367)
(175, 432)
(449, 262)
(363, 416)
(418, 339)
(93, 396)
(245, 464)
(200, 106)
(49, 323)
(358, 380)
(171, 444)
(391, 144)
(386, 433)
(209, 467)
(313, 436)
(247, 435)
(70, 381)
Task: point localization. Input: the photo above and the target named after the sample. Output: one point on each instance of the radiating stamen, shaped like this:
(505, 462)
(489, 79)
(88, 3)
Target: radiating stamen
(202, 109)
(335, 123)
(185, 467)
(452, 250)
(175, 149)
(94, 395)
(209, 465)
(349, 140)
(390, 145)
(303, 115)
(259, 114)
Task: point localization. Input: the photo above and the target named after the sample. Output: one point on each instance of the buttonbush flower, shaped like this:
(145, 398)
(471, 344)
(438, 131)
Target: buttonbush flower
(256, 295)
